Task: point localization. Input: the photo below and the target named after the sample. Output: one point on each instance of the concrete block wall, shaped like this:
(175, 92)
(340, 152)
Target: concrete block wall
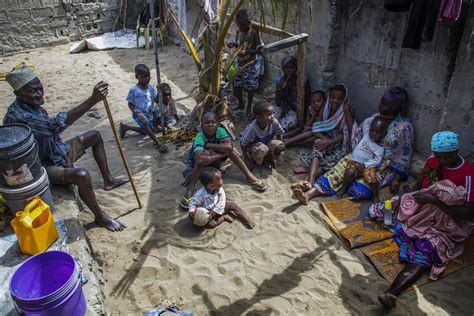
(27, 24)
(359, 43)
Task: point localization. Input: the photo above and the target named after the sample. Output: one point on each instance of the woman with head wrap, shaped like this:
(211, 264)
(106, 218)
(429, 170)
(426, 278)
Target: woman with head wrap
(431, 224)
(398, 145)
(286, 94)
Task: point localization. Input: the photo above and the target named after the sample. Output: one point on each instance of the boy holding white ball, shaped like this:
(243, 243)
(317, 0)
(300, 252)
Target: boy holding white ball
(209, 208)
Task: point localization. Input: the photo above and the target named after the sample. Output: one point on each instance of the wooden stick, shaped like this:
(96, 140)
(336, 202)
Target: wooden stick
(300, 55)
(285, 43)
(119, 145)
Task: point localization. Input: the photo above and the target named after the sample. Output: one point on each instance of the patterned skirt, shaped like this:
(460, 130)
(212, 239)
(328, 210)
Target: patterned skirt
(328, 159)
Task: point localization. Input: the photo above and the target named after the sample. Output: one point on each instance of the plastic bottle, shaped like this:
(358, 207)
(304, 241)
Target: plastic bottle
(387, 213)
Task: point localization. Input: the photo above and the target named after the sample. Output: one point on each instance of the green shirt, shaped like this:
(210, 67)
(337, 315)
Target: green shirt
(201, 140)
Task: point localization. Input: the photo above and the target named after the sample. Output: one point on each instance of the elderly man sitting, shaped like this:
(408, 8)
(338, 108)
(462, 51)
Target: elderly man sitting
(57, 156)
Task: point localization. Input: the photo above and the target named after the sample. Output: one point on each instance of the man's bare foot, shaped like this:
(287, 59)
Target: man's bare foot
(228, 219)
(249, 225)
(302, 185)
(115, 183)
(388, 300)
(109, 223)
(299, 194)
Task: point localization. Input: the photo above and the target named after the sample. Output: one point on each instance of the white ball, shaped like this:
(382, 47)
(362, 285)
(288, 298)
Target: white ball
(201, 217)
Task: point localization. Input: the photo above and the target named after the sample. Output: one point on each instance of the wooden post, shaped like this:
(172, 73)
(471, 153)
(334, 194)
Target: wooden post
(300, 55)
(285, 43)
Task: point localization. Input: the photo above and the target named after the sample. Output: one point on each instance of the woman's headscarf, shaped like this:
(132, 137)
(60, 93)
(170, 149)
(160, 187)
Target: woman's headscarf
(397, 98)
(289, 60)
(445, 142)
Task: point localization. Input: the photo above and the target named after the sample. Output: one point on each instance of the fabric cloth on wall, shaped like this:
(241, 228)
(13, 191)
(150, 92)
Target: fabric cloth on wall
(421, 21)
(450, 10)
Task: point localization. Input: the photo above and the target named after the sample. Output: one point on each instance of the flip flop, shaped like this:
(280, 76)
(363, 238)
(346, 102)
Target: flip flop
(162, 148)
(121, 130)
(184, 204)
(300, 170)
(258, 185)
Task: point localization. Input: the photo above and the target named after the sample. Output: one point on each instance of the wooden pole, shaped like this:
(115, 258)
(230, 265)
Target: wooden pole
(300, 55)
(157, 64)
(119, 145)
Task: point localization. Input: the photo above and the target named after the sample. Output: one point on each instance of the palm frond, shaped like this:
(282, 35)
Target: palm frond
(219, 45)
(188, 42)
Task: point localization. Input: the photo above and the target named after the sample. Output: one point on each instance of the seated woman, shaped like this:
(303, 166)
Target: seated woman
(286, 94)
(432, 224)
(332, 133)
(398, 145)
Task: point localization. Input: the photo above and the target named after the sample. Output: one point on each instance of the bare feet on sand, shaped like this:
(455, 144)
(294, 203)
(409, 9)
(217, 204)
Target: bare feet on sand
(249, 225)
(109, 223)
(300, 196)
(114, 183)
(228, 219)
(388, 300)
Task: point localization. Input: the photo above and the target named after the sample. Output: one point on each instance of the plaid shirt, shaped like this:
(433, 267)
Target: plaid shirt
(46, 130)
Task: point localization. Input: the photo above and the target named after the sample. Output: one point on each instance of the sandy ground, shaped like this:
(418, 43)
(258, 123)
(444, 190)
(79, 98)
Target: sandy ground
(289, 264)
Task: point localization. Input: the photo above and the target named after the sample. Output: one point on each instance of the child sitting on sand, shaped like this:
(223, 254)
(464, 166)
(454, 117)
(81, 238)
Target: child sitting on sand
(366, 157)
(262, 138)
(286, 101)
(212, 146)
(209, 207)
(141, 101)
(318, 98)
(171, 114)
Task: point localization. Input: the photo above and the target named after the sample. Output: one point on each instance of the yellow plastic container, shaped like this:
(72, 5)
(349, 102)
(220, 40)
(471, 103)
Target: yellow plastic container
(34, 227)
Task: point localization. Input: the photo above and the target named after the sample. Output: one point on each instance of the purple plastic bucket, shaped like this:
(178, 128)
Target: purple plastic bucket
(48, 283)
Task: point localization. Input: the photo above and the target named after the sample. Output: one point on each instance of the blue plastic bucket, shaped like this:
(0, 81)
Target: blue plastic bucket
(48, 284)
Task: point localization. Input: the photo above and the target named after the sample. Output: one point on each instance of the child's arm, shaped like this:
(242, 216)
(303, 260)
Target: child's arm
(376, 160)
(139, 114)
(205, 160)
(325, 142)
(225, 147)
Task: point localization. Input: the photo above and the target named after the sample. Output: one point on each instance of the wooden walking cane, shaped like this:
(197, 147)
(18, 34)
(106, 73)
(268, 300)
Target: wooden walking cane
(119, 145)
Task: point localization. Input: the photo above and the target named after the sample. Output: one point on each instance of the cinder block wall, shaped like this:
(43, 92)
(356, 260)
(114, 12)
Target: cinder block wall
(26, 24)
(359, 43)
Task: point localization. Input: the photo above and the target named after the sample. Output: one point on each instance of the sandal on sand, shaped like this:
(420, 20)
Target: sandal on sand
(300, 170)
(258, 185)
(184, 204)
(162, 148)
(121, 130)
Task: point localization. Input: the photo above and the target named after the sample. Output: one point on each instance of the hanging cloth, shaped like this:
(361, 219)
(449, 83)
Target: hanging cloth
(449, 10)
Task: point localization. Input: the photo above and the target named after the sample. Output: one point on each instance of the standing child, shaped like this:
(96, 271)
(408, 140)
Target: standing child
(209, 207)
(262, 138)
(249, 39)
(171, 114)
(286, 100)
(366, 157)
(141, 100)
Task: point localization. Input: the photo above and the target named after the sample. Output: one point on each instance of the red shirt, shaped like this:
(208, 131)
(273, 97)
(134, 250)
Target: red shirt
(460, 176)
